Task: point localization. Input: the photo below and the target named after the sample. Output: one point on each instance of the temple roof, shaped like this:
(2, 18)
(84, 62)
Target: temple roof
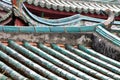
(78, 6)
(72, 48)
(55, 62)
(75, 20)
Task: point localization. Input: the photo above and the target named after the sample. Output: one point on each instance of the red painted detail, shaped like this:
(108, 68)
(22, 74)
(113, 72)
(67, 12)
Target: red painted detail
(14, 2)
(50, 13)
(6, 21)
(117, 18)
(19, 22)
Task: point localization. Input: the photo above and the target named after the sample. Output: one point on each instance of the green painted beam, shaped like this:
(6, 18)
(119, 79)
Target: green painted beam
(46, 29)
(42, 14)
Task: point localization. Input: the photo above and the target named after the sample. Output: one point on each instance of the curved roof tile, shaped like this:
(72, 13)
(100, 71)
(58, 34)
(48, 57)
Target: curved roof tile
(56, 63)
(78, 6)
(6, 7)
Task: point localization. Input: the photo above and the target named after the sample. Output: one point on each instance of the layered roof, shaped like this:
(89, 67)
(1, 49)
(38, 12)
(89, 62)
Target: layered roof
(33, 60)
(56, 63)
(75, 20)
(79, 6)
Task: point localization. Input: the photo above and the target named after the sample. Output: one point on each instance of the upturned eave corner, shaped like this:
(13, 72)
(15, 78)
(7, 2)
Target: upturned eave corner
(111, 18)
